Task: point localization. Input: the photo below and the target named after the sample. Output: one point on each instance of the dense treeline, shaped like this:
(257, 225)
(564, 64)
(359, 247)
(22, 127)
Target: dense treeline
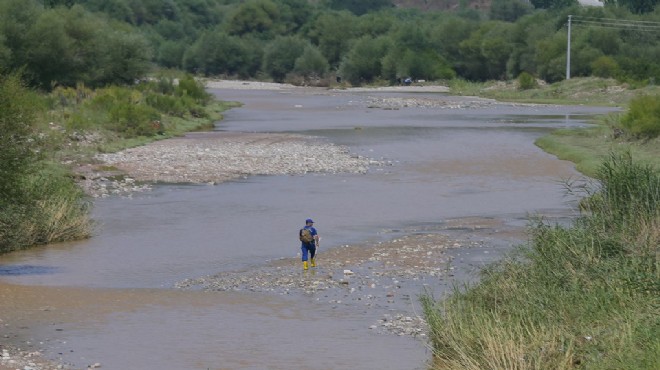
(61, 42)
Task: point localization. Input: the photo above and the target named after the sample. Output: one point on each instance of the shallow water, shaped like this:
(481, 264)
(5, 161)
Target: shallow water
(444, 164)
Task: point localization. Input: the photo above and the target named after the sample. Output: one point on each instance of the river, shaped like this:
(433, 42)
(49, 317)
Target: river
(112, 299)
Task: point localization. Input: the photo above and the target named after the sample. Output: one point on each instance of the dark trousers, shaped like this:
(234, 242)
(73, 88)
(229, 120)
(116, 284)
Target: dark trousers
(308, 248)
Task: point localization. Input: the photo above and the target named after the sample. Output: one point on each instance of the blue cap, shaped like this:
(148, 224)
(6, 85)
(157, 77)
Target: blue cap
(309, 221)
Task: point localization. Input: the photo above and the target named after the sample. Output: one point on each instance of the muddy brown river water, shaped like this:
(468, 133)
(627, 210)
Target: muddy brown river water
(465, 170)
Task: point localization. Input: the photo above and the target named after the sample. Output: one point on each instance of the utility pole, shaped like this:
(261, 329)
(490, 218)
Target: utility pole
(568, 51)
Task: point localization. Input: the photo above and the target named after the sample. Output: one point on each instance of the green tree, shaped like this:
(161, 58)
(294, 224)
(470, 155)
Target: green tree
(115, 9)
(170, 54)
(486, 53)
(260, 17)
(294, 14)
(360, 7)
(552, 4)
(281, 54)
(376, 24)
(216, 53)
(410, 35)
(170, 30)
(363, 63)
(605, 40)
(5, 54)
(509, 10)
(427, 65)
(446, 36)
(64, 48)
(311, 63)
(323, 32)
(551, 58)
(525, 36)
(51, 50)
(16, 19)
(127, 57)
(54, 3)
(635, 6)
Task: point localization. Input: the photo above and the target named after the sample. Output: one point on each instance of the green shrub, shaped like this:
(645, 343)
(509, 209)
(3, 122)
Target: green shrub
(55, 210)
(18, 144)
(526, 81)
(190, 87)
(643, 117)
(126, 112)
(131, 120)
(167, 104)
(605, 67)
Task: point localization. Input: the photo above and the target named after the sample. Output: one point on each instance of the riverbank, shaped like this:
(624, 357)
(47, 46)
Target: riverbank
(378, 280)
(215, 157)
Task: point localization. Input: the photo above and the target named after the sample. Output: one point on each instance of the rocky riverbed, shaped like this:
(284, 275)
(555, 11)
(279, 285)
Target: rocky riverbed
(381, 278)
(215, 157)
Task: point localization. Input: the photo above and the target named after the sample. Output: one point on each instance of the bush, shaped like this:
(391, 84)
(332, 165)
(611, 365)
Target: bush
(605, 67)
(55, 210)
(526, 81)
(167, 104)
(35, 206)
(18, 149)
(131, 119)
(190, 87)
(643, 117)
(126, 112)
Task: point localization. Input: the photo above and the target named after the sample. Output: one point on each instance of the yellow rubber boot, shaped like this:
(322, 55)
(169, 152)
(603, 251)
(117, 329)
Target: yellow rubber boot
(305, 265)
(313, 262)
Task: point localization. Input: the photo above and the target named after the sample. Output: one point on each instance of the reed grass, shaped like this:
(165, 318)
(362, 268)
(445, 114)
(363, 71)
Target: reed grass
(580, 297)
(52, 210)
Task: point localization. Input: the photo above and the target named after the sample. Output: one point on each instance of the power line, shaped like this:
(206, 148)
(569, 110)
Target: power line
(617, 23)
(579, 17)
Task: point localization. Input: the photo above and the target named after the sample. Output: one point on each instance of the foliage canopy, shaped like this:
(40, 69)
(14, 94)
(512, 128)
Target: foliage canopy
(100, 42)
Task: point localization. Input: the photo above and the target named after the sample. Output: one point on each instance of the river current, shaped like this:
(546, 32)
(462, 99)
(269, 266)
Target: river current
(112, 299)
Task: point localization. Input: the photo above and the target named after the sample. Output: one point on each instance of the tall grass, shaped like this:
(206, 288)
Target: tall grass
(53, 209)
(579, 297)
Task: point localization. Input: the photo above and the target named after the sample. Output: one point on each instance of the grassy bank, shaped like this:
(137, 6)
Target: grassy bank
(581, 91)
(586, 147)
(44, 137)
(582, 297)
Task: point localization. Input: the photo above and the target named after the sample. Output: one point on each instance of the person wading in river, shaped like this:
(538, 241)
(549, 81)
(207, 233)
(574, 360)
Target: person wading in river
(309, 238)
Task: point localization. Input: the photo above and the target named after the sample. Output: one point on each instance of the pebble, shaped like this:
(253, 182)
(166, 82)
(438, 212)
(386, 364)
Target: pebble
(215, 157)
(382, 277)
